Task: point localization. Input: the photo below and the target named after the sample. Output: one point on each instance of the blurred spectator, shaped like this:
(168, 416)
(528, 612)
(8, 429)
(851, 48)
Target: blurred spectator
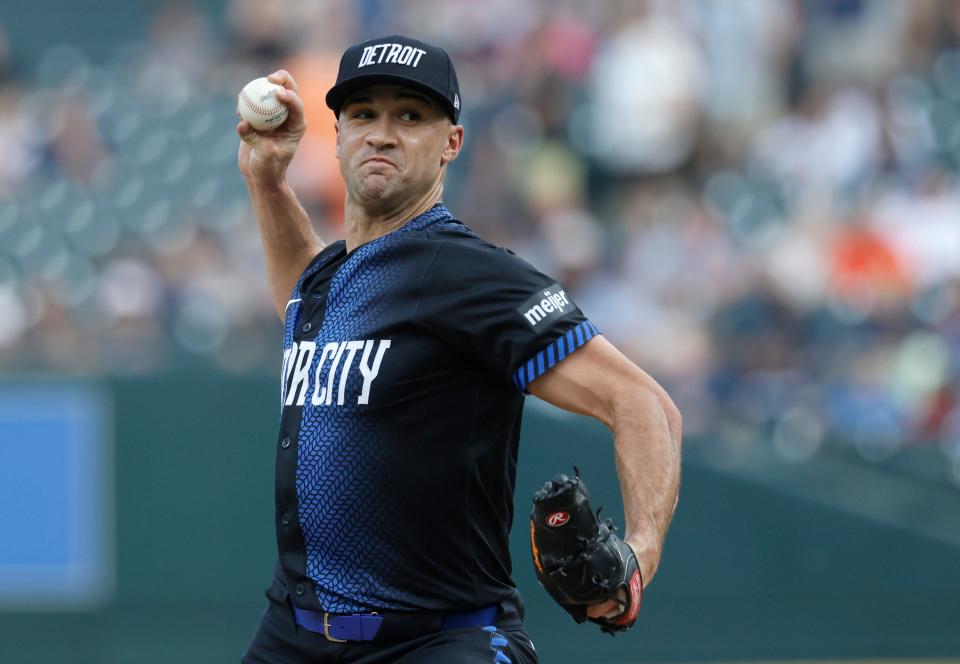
(758, 201)
(645, 93)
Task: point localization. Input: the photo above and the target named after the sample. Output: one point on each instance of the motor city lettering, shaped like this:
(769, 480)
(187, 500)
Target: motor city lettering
(390, 53)
(337, 357)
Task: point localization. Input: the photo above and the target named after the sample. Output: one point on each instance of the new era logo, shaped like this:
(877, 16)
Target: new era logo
(456, 101)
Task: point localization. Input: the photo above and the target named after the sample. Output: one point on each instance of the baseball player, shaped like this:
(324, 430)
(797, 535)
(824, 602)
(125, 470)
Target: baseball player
(408, 349)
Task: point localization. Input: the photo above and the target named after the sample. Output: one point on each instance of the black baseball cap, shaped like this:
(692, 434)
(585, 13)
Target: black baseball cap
(397, 60)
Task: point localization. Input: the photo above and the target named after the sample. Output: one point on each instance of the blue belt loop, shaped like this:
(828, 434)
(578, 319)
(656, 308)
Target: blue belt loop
(482, 618)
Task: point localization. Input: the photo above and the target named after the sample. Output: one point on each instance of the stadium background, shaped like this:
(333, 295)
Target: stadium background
(758, 200)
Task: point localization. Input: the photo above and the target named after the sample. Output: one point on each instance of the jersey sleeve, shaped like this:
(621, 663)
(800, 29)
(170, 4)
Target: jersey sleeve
(501, 311)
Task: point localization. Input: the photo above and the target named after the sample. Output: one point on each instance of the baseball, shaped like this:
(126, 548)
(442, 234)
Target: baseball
(257, 104)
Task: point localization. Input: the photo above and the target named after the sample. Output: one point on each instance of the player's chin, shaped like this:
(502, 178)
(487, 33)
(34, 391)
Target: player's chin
(377, 187)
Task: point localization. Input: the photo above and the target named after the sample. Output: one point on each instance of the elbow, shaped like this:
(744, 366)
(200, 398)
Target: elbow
(654, 400)
(674, 422)
(674, 419)
(673, 416)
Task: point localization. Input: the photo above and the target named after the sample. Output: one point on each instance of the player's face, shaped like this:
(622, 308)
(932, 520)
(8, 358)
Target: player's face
(393, 144)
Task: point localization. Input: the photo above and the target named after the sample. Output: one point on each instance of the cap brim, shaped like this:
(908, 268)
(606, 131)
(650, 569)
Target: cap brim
(340, 92)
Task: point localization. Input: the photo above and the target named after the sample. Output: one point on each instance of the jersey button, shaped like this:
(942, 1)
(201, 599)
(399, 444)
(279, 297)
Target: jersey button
(285, 518)
(285, 443)
(307, 326)
(300, 589)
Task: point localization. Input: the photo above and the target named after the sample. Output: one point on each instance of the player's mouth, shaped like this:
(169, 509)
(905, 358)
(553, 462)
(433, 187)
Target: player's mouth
(378, 160)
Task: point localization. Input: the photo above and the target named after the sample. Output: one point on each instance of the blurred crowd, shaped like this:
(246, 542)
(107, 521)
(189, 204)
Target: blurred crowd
(758, 201)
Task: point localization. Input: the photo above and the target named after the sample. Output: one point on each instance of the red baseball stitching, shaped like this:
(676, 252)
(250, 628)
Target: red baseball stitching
(253, 106)
(256, 108)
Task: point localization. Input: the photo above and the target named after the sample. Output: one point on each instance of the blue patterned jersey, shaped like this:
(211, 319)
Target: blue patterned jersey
(404, 370)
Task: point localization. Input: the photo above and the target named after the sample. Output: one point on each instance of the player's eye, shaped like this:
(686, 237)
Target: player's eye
(363, 114)
(410, 116)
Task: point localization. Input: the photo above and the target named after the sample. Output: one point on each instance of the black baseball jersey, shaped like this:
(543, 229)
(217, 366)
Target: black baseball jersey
(404, 370)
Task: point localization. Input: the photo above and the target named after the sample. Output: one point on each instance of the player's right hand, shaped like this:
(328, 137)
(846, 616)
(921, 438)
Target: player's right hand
(263, 157)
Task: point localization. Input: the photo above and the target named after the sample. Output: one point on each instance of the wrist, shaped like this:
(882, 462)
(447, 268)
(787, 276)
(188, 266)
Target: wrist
(270, 186)
(648, 557)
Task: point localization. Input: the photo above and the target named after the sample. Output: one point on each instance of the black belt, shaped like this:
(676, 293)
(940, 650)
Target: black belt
(389, 626)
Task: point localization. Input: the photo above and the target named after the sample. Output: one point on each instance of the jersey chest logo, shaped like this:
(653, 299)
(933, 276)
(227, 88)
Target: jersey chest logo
(325, 384)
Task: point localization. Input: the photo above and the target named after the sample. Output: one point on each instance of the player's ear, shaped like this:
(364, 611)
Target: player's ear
(336, 129)
(453, 145)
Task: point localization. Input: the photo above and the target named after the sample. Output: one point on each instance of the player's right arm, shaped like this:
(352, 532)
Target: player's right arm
(289, 241)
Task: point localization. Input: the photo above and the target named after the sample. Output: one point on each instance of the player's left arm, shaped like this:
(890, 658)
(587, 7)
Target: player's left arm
(601, 382)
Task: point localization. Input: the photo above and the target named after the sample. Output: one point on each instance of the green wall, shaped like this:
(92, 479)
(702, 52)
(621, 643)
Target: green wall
(748, 573)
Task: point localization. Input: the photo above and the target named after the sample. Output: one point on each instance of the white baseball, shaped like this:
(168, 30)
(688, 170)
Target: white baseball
(257, 104)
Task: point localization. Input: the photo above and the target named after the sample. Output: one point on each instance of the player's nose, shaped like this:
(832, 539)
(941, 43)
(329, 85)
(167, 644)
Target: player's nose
(380, 133)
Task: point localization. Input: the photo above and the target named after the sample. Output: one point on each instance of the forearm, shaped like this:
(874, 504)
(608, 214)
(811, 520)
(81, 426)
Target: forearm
(600, 382)
(289, 241)
(647, 432)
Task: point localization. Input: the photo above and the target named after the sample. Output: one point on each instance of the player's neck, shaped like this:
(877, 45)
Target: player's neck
(362, 225)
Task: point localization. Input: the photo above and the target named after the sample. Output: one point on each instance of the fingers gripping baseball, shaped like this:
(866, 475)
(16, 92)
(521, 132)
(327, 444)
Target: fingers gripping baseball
(264, 156)
(290, 96)
(284, 78)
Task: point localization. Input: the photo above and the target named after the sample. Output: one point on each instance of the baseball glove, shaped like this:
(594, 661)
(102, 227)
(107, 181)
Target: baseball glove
(578, 558)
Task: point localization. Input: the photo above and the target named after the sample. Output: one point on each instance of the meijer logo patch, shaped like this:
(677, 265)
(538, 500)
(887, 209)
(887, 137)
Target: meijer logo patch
(547, 305)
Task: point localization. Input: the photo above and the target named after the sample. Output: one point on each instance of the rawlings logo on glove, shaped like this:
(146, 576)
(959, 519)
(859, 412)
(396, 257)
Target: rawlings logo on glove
(579, 559)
